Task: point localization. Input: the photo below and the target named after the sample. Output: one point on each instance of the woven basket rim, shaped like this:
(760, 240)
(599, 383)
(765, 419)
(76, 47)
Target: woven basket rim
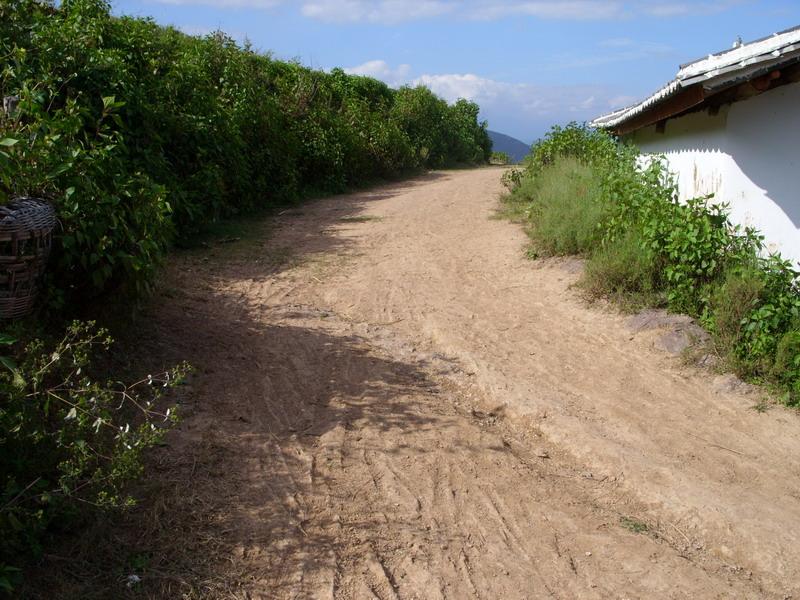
(26, 214)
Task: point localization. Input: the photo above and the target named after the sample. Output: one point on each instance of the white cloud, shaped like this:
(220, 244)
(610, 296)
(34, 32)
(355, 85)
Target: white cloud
(520, 109)
(521, 98)
(622, 101)
(380, 69)
(453, 86)
(500, 101)
(399, 11)
(544, 104)
(382, 11)
(549, 9)
(609, 51)
(262, 4)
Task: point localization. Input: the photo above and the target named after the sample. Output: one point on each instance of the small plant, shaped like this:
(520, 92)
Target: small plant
(499, 158)
(634, 525)
(512, 179)
(562, 202)
(622, 269)
(786, 368)
(68, 441)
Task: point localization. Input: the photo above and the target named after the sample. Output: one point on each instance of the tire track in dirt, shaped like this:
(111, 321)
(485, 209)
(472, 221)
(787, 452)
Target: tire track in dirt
(409, 409)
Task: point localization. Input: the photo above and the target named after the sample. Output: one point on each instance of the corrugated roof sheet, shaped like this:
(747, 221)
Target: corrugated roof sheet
(727, 65)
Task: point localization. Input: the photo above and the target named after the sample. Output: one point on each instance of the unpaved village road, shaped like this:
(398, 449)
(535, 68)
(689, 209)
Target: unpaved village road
(392, 402)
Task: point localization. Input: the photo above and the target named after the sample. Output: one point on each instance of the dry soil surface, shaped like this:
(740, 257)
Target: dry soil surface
(392, 402)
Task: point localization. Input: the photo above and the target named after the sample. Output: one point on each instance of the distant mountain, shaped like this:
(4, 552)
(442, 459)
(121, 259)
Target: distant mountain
(516, 149)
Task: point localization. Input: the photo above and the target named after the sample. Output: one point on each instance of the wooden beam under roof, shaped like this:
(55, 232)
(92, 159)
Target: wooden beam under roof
(698, 97)
(679, 103)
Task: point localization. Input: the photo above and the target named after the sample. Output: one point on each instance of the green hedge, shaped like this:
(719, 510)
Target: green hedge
(141, 134)
(582, 192)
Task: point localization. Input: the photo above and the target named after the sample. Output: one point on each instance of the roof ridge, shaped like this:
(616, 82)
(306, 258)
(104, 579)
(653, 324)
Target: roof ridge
(746, 56)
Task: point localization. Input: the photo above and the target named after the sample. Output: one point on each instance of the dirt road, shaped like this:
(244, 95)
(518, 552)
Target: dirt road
(392, 402)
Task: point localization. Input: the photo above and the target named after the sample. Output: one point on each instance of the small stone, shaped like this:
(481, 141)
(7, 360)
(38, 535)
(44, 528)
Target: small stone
(588, 554)
(542, 453)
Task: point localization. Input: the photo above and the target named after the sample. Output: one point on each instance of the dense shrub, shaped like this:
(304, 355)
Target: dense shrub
(582, 192)
(139, 133)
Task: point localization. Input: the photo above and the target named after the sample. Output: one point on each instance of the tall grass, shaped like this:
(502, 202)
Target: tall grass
(623, 271)
(564, 203)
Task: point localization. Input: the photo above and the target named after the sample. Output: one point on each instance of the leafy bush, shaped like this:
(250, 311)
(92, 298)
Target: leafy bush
(583, 192)
(66, 439)
(774, 313)
(731, 302)
(141, 135)
(578, 141)
(499, 158)
(786, 369)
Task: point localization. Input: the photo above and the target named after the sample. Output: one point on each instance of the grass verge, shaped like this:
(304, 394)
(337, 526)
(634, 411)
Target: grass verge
(583, 193)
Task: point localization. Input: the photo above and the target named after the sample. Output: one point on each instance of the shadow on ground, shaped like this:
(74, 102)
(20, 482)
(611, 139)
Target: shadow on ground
(306, 230)
(230, 487)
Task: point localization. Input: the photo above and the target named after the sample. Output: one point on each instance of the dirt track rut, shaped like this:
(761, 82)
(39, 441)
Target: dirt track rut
(392, 402)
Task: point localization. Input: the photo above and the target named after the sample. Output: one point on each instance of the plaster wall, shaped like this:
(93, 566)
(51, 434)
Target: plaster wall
(747, 155)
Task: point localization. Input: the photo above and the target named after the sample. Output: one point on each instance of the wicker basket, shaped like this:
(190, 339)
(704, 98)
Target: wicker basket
(26, 234)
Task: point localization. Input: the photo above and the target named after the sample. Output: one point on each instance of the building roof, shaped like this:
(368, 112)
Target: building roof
(707, 77)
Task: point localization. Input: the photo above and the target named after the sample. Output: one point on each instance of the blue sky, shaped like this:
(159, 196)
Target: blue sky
(529, 64)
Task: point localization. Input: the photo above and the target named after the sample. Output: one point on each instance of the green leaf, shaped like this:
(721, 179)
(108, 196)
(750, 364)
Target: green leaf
(8, 142)
(8, 363)
(6, 340)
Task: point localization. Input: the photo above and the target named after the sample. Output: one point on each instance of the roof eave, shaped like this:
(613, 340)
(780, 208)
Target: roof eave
(713, 73)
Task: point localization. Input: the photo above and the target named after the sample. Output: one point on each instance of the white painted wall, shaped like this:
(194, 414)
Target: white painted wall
(746, 155)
